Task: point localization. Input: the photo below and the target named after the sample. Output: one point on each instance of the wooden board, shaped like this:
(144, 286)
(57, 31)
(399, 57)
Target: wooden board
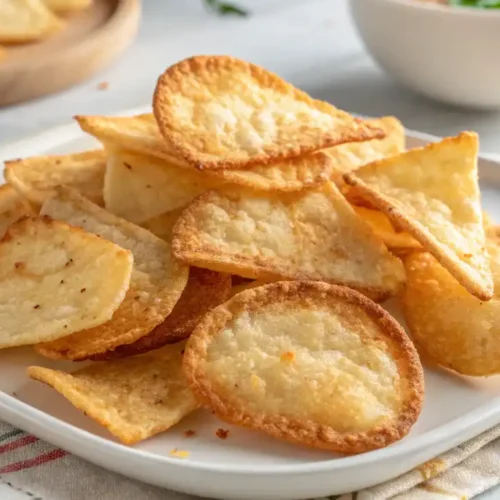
(90, 40)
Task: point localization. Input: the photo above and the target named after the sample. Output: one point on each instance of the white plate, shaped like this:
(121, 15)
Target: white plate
(246, 465)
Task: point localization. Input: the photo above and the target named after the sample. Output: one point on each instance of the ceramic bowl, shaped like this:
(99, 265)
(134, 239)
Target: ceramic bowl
(451, 54)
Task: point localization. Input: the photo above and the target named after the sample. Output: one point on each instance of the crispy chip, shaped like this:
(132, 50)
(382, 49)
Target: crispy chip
(156, 284)
(140, 134)
(451, 327)
(163, 224)
(350, 381)
(67, 5)
(311, 235)
(133, 398)
(37, 177)
(56, 279)
(139, 187)
(349, 157)
(12, 207)
(26, 20)
(433, 194)
(220, 112)
(134, 133)
(204, 290)
(393, 239)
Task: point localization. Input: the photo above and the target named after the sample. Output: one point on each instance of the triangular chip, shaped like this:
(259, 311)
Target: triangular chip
(221, 112)
(67, 5)
(433, 194)
(56, 279)
(12, 207)
(133, 398)
(156, 284)
(204, 290)
(314, 235)
(36, 177)
(349, 157)
(26, 20)
(140, 134)
(139, 187)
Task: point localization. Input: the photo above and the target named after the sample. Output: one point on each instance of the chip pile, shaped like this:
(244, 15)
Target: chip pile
(263, 226)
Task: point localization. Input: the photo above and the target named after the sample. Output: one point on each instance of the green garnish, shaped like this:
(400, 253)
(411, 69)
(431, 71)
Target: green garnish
(225, 9)
(480, 4)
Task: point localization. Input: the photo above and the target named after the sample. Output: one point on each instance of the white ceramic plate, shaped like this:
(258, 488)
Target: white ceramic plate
(246, 465)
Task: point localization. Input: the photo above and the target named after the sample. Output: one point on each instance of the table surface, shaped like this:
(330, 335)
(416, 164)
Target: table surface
(311, 43)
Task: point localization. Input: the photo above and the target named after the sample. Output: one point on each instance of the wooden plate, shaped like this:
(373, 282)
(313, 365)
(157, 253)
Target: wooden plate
(90, 40)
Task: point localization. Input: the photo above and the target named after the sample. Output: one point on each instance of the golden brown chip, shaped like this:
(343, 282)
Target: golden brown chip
(452, 327)
(163, 224)
(220, 112)
(12, 207)
(156, 284)
(204, 290)
(133, 398)
(393, 239)
(139, 187)
(26, 21)
(310, 235)
(68, 5)
(36, 177)
(349, 157)
(140, 134)
(56, 279)
(433, 194)
(310, 363)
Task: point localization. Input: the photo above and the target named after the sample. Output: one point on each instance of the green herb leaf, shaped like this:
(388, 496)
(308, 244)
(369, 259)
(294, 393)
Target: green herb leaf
(225, 9)
(480, 4)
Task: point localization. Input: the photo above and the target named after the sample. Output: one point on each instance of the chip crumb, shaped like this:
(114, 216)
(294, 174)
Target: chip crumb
(37, 306)
(287, 357)
(222, 433)
(83, 290)
(179, 453)
(189, 433)
(103, 86)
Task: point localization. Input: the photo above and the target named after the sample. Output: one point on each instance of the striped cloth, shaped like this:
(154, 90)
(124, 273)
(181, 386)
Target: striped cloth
(33, 469)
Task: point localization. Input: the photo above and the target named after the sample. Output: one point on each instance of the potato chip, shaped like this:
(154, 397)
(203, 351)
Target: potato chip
(220, 112)
(311, 363)
(12, 207)
(133, 398)
(36, 177)
(349, 157)
(56, 279)
(310, 235)
(67, 5)
(140, 134)
(26, 21)
(156, 284)
(163, 224)
(204, 290)
(433, 194)
(393, 239)
(139, 187)
(453, 328)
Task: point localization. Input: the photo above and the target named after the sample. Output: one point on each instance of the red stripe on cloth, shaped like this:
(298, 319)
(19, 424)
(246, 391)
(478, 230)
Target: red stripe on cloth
(33, 462)
(18, 443)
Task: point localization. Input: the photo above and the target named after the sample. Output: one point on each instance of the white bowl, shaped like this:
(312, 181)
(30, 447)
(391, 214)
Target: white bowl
(451, 54)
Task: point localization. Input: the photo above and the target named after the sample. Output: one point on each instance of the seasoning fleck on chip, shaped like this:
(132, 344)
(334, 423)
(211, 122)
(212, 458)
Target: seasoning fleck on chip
(189, 433)
(222, 433)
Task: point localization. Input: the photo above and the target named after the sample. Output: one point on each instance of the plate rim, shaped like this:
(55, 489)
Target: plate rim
(22, 412)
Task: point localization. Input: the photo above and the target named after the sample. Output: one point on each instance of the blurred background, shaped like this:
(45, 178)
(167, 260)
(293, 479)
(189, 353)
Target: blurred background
(312, 43)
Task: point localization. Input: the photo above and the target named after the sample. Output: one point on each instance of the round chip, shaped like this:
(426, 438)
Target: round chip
(449, 325)
(315, 364)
